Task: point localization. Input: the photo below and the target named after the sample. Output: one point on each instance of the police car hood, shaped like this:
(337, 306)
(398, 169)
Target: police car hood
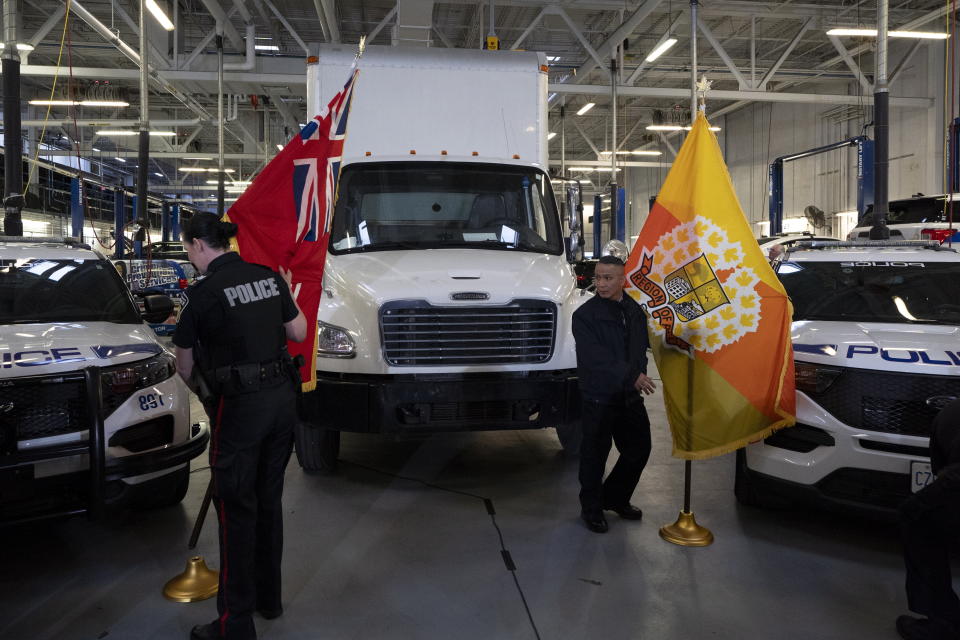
(47, 348)
(435, 274)
(908, 348)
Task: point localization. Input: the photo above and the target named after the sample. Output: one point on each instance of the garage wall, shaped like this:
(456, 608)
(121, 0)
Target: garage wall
(759, 132)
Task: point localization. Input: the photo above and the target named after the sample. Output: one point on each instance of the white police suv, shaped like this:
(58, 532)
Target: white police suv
(92, 413)
(876, 339)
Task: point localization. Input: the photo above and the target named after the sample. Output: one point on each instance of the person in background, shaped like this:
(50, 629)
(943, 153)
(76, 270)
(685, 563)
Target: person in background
(610, 330)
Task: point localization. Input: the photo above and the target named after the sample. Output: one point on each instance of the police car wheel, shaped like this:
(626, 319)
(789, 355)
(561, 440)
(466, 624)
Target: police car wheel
(747, 491)
(570, 436)
(317, 448)
(165, 491)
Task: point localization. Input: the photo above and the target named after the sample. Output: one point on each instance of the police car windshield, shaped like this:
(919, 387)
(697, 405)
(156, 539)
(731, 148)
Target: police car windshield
(388, 206)
(880, 291)
(59, 290)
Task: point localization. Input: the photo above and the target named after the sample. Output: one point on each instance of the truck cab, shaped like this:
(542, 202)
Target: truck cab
(448, 290)
(876, 341)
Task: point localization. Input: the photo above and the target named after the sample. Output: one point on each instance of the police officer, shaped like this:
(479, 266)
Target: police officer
(231, 348)
(610, 330)
(929, 525)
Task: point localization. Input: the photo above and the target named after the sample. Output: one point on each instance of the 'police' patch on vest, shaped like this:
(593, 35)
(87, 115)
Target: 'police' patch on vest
(251, 291)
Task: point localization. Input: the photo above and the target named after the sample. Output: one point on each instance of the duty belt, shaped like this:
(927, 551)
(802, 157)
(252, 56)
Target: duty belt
(237, 379)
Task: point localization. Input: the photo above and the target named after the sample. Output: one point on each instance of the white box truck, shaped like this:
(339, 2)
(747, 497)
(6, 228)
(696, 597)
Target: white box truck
(448, 292)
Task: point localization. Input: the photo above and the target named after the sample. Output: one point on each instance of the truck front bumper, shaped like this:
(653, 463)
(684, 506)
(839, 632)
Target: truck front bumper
(449, 402)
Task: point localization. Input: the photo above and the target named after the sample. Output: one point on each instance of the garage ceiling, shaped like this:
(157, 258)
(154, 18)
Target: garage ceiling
(752, 49)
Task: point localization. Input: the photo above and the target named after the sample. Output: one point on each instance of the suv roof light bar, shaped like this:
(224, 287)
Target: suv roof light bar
(840, 244)
(43, 239)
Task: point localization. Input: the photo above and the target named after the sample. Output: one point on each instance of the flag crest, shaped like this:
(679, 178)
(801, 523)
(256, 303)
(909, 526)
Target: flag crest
(719, 317)
(284, 216)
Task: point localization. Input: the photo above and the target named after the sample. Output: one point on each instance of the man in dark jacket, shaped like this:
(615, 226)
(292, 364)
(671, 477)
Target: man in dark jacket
(610, 330)
(929, 524)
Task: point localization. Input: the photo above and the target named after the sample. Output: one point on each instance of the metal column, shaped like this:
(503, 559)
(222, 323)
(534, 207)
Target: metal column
(881, 120)
(118, 205)
(13, 145)
(175, 221)
(597, 226)
(165, 221)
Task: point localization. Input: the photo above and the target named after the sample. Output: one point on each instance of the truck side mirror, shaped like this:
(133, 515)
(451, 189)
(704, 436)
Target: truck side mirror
(574, 211)
(157, 308)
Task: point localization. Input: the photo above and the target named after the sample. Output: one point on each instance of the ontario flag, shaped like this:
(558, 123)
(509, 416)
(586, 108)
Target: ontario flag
(284, 215)
(719, 317)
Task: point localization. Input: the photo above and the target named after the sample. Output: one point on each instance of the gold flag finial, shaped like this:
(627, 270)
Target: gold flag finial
(361, 46)
(703, 85)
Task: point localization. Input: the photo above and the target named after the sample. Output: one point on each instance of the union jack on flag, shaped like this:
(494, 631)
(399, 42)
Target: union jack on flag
(284, 216)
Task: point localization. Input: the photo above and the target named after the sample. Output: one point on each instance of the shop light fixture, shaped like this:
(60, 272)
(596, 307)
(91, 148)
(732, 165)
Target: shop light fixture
(551, 135)
(21, 46)
(196, 158)
(158, 13)
(130, 132)
(660, 50)
(585, 108)
(205, 170)
(266, 47)
(121, 160)
(279, 147)
(591, 169)
(673, 127)
(104, 103)
(872, 33)
(52, 103)
(159, 175)
(80, 103)
(637, 152)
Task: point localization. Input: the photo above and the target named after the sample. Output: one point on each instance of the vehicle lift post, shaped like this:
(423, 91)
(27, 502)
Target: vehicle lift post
(118, 206)
(76, 208)
(865, 177)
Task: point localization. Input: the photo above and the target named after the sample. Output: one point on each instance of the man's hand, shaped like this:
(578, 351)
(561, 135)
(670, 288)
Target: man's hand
(644, 384)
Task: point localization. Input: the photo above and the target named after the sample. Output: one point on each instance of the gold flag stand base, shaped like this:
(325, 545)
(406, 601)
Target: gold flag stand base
(686, 532)
(196, 583)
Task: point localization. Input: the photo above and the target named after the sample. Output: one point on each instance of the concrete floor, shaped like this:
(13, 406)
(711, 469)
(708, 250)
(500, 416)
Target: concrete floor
(400, 545)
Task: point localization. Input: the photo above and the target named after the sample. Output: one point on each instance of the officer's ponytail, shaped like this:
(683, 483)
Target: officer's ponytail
(209, 228)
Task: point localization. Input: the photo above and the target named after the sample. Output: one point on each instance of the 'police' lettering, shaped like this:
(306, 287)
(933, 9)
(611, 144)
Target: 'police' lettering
(252, 291)
(867, 349)
(912, 356)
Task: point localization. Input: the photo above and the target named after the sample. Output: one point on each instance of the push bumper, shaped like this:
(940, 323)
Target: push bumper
(437, 403)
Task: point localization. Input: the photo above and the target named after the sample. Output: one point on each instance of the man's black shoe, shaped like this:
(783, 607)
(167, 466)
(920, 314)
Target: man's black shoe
(270, 614)
(911, 628)
(627, 512)
(595, 522)
(206, 631)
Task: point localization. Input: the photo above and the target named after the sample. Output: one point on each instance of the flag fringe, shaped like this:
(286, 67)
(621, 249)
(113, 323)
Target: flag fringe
(736, 444)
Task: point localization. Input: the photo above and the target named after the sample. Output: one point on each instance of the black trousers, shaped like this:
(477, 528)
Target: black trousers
(928, 532)
(629, 428)
(251, 445)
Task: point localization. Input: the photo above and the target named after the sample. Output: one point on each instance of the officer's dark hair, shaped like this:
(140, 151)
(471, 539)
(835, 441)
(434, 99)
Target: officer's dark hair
(209, 228)
(610, 260)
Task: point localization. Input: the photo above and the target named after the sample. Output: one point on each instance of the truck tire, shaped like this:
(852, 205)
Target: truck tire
(317, 447)
(747, 491)
(165, 491)
(570, 436)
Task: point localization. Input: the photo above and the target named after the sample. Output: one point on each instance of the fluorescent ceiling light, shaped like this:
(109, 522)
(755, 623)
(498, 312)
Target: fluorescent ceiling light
(633, 153)
(21, 46)
(591, 169)
(551, 135)
(585, 108)
(53, 103)
(159, 175)
(266, 47)
(279, 147)
(872, 33)
(95, 149)
(664, 127)
(262, 38)
(552, 58)
(121, 160)
(197, 158)
(205, 170)
(158, 13)
(662, 49)
(129, 132)
(104, 103)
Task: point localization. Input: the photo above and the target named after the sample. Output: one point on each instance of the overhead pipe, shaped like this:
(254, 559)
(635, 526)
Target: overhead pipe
(143, 157)
(224, 26)
(128, 51)
(251, 58)
(13, 144)
(112, 123)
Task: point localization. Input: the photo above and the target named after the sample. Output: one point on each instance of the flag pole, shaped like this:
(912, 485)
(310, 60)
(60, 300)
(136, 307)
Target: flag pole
(685, 531)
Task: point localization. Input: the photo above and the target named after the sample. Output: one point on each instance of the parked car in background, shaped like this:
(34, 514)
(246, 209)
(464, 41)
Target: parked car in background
(787, 240)
(164, 250)
(918, 218)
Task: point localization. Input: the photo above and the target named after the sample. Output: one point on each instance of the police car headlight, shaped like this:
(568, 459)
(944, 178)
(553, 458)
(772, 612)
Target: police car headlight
(124, 379)
(334, 342)
(813, 378)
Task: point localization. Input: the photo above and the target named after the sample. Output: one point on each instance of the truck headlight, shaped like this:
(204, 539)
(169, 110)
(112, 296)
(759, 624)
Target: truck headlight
(334, 342)
(812, 378)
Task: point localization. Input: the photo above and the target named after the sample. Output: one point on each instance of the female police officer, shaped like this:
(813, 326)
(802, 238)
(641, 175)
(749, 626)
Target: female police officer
(233, 329)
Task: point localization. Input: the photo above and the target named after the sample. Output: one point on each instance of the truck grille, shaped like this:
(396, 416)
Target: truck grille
(44, 406)
(414, 332)
(886, 402)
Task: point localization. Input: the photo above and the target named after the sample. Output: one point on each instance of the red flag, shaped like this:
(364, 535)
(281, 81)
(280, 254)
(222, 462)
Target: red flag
(284, 216)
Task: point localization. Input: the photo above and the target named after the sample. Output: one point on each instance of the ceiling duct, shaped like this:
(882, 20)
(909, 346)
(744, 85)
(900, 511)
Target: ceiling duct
(414, 25)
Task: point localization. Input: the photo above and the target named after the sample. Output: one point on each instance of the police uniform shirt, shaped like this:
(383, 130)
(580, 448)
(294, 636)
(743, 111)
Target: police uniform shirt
(236, 313)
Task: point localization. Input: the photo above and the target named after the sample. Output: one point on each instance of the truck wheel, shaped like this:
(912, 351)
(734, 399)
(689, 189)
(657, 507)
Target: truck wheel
(317, 448)
(164, 491)
(570, 437)
(747, 491)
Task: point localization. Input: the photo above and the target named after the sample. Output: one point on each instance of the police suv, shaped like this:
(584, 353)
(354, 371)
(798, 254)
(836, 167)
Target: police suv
(92, 413)
(876, 340)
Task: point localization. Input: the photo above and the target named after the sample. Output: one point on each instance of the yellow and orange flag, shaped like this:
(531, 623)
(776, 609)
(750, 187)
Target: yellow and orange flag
(719, 317)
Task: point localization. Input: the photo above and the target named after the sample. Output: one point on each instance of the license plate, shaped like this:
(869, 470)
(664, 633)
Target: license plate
(921, 474)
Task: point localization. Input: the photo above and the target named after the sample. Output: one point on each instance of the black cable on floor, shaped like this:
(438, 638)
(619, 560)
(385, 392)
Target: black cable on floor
(488, 504)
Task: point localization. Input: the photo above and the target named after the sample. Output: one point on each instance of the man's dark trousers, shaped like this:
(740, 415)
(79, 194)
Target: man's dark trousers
(251, 445)
(928, 533)
(628, 427)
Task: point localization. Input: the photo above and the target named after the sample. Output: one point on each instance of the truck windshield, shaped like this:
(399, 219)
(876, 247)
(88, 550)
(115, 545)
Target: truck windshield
(59, 290)
(434, 205)
(882, 291)
(913, 211)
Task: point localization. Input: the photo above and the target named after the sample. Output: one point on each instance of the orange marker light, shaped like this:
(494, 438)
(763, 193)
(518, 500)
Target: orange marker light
(368, 153)
(413, 152)
(443, 152)
(312, 59)
(474, 153)
(516, 156)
